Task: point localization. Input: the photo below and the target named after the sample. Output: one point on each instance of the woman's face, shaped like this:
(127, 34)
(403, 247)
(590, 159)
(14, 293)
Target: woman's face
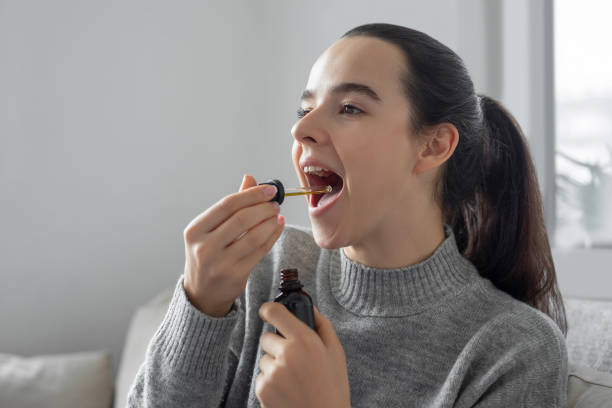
(356, 125)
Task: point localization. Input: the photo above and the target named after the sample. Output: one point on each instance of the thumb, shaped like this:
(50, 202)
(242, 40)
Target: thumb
(326, 331)
(247, 181)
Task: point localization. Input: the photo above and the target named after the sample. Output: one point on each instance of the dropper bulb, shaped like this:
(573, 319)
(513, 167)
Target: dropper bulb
(280, 190)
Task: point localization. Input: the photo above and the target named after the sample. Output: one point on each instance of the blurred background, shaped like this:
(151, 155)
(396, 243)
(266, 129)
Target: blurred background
(120, 121)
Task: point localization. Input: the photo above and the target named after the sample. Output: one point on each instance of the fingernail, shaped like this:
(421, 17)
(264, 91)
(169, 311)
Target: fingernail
(280, 219)
(276, 205)
(270, 191)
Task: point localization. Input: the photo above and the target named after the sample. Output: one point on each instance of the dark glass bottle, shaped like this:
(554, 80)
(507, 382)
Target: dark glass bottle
(294, 298)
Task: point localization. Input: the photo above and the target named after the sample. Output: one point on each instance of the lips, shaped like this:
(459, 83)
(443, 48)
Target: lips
(320, 174)
(333, 180)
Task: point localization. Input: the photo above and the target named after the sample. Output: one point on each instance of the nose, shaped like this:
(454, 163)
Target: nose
(311, 129)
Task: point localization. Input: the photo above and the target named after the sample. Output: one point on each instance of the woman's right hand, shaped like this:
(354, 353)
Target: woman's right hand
(225, 242)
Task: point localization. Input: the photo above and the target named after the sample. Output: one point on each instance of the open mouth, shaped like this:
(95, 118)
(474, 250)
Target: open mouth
(317, 176)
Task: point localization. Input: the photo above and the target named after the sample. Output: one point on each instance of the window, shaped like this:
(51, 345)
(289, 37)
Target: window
(550, 50)
(583, 122)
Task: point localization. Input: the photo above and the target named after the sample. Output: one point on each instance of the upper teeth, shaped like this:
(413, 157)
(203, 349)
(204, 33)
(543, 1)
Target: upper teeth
(319, 171)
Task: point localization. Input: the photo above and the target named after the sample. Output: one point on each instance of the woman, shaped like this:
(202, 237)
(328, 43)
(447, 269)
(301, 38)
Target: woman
(428, 262)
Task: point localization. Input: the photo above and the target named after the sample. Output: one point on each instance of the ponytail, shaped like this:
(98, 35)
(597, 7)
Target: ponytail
(504, 234)
(487, 190)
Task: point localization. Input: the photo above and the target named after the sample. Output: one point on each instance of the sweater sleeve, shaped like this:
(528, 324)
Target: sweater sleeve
(188, 362)
(542, 384)
(529, 371)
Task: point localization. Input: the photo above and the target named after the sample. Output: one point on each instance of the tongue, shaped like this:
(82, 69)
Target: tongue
(329, 196)
(325, 198)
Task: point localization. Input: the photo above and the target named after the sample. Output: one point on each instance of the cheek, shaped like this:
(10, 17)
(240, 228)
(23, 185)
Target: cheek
(376, 169)
(366, 169)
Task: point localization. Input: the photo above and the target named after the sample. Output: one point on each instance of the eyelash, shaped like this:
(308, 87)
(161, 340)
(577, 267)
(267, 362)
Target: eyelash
(301, 112)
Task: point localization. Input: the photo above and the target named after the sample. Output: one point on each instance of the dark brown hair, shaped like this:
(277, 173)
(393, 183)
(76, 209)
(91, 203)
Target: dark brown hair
(487, 189)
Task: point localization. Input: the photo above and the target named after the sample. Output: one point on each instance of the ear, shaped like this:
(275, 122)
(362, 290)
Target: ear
(439, 144)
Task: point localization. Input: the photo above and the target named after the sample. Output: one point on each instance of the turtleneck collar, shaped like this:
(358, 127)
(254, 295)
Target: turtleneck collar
(369, 291)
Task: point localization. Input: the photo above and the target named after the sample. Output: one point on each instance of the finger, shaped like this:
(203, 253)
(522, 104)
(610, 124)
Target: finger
(248, 262)
(281, 318)
(247, 181)
(272, 343)
(253, 239)
(326, 331)
(266, 362)
(219, 212)
(259, 384)
(243, 221)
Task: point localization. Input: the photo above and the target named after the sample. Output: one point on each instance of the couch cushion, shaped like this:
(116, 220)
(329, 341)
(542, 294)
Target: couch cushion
(589, 388)
(589, 337)
(81, 380)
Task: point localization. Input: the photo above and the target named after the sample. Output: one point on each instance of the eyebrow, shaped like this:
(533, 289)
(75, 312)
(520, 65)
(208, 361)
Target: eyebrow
(346, 87)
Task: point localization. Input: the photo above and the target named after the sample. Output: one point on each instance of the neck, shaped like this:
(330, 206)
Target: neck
(401, 240)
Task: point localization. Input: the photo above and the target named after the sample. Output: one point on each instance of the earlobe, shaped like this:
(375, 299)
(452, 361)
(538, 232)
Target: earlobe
(438, 147)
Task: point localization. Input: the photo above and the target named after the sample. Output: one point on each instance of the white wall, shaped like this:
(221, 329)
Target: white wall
(120, 121)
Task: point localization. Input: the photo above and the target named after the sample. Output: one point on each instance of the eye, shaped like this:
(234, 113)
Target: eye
(301, 113)
(350, 109)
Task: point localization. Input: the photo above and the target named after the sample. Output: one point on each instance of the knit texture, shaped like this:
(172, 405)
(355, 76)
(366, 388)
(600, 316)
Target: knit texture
(434, 334)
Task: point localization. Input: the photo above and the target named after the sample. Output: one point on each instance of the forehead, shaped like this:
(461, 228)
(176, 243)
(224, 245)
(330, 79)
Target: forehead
(359, 59)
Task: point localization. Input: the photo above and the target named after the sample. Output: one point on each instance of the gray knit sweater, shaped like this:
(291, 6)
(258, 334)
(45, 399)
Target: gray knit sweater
(434, 334)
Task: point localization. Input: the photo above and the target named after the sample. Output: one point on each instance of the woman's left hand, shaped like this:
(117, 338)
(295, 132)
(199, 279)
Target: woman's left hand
(305, 369)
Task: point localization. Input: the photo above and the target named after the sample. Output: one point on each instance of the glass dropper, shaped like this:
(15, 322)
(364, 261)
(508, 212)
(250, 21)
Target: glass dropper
(307, 190)
(281, 192)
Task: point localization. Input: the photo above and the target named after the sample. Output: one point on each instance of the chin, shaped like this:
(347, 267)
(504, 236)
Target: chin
(326, 238)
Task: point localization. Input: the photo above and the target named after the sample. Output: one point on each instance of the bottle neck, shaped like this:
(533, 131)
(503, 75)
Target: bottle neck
(290, 285)
(289, 280)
